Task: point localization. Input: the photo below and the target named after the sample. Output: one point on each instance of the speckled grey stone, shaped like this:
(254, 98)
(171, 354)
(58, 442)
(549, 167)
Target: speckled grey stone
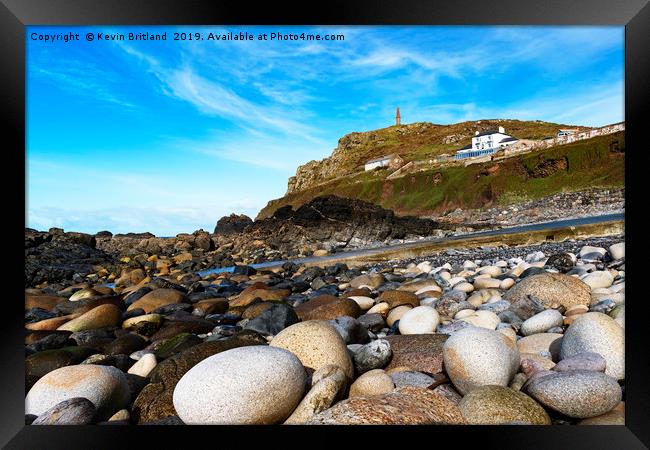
(598, 333)
(452, 327)
(409, 378)
(496, 405)
(496, 307)
(105, 386)
(246, 385)
(541, 322)
(476, 357)
(374, 355)
(576, 393)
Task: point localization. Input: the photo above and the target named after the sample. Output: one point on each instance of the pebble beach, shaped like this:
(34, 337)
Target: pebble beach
(493, 335)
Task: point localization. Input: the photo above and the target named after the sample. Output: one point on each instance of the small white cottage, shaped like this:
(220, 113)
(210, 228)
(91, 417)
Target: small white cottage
(393, 161)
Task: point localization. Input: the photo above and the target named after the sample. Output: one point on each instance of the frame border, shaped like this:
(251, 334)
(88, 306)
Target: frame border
(15, 15)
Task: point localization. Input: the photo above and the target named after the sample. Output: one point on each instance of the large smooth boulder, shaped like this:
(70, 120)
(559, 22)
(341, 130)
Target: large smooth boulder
(475, 357)
(105, 386)
(247, 385)
(155, 401)
(576, 393)
(598, 333)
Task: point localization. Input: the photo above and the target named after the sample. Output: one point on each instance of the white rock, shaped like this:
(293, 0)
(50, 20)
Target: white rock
(397, 313)
(598, 279)
(431, 288)
(419, 320)
(365, 303)
(589, 249)
(541, 322)
(493, 271)
(105, 386)
(486, 283)
(464, 313)
(246, 385)
(617, 250)
(483, 319)
(464, 287)
(144, 366)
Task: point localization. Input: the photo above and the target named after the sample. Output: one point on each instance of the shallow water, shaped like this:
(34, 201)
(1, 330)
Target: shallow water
(500, 231)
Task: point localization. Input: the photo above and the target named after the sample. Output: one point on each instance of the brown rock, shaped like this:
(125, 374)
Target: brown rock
(37, 335)
(83, 306)
(255, 310)
(404, 406)
(398, 298)
(156, 299)
(249, 295)
(362, 292)
(173, 328)
(50, 324)
(419, 352)
(102, 316)
(130, 278)
(155, 401)
(46, 302)
(373, 280)
(327, 307)
(552, 289)
(212, 306)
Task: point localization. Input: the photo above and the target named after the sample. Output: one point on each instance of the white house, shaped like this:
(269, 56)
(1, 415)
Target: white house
(486, 143)
(567, 132)
(394, 161)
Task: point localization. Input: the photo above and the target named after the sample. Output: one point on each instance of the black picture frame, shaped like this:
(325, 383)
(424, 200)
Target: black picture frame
(633, 14)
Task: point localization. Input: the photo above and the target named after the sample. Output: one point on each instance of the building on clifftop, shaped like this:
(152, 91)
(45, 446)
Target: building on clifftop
(392, 161)
(486, 143)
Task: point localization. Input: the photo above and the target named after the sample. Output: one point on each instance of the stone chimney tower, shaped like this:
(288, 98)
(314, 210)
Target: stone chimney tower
(398, 120)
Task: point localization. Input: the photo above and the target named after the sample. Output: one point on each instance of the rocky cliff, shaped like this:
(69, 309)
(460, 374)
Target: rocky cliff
(414, 141)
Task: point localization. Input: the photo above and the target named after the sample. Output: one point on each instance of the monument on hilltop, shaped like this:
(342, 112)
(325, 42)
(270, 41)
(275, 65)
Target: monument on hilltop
(398, 120)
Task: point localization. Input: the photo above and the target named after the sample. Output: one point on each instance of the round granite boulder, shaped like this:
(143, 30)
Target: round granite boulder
(598, 333)
(576, 393)
(476, 357)
(246, 385)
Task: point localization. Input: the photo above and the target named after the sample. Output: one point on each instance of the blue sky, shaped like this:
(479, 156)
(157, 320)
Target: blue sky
(168, 136)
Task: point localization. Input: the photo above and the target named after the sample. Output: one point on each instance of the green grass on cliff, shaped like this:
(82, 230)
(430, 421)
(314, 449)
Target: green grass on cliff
(573, 167)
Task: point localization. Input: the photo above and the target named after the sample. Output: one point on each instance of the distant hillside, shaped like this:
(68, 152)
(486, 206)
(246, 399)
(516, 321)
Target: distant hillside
(594, 162)
(416, 141)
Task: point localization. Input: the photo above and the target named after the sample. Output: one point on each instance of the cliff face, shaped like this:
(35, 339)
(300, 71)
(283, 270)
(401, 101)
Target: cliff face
(593, 162)
(416, 141)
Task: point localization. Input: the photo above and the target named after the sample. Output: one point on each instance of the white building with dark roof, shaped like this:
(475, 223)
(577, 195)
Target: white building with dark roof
(393, 161)
(486, 143)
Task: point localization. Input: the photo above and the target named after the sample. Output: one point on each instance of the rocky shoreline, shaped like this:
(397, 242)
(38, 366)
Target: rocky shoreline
(521, 335)
(566, 205)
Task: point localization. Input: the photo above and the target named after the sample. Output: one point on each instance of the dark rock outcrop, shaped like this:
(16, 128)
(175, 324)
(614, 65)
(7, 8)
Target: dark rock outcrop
(232, 224)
